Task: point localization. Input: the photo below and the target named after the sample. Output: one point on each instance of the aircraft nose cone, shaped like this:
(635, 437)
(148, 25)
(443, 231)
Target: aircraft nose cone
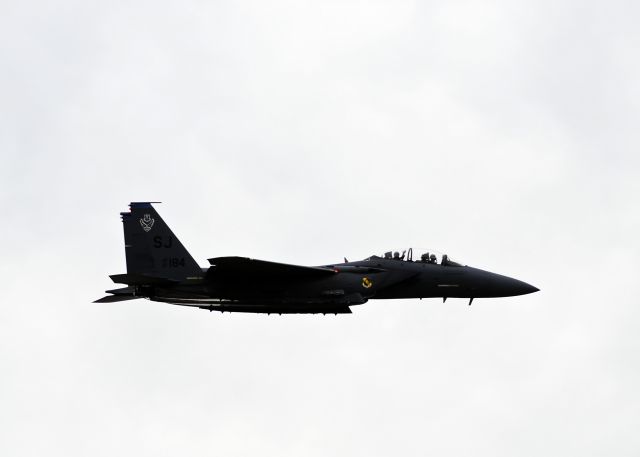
(521, 288)
(489, 284)
(509, 287)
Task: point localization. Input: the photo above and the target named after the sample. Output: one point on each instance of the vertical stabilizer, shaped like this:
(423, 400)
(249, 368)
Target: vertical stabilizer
(151, 247)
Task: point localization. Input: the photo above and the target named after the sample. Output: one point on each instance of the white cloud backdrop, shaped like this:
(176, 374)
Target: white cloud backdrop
(503, 133)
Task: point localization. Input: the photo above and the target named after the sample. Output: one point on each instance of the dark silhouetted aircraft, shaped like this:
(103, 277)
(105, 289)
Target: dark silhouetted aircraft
(159, 268)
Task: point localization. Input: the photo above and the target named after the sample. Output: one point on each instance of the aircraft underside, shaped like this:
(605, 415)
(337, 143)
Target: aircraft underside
(300, 306)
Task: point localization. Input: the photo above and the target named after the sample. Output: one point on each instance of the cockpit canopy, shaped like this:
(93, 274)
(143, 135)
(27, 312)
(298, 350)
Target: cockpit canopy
(423, 255)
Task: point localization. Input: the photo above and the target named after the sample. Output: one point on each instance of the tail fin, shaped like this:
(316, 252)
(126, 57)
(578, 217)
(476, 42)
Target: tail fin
(151, 247)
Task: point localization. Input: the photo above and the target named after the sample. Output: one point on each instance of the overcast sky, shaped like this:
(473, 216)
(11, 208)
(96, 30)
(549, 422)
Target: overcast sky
(503, 133)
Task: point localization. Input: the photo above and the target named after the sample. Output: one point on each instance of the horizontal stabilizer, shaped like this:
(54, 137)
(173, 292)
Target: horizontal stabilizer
(244, 266)
(130, 290)
(133, 279)
(115, 298)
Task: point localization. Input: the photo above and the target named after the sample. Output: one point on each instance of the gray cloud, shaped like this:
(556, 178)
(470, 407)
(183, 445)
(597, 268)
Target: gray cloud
(504, 133)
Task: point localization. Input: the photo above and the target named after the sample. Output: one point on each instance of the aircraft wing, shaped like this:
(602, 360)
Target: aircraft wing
(244, 267)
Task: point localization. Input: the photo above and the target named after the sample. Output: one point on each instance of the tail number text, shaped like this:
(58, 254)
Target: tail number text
(172, 262)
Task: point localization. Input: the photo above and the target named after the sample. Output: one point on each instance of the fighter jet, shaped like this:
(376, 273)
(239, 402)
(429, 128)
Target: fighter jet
(160, 269)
